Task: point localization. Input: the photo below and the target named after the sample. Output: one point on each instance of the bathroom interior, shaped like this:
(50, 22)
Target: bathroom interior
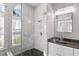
(39, 29)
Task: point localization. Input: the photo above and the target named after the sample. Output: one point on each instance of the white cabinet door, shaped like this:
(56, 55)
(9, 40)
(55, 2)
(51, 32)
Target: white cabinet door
(76, 52)
(67, 51)
(59, 50)
(54, 49)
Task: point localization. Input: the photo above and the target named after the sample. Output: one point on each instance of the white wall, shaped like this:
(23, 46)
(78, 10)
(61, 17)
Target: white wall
(40, 41)
(50, 21)
(27, 26)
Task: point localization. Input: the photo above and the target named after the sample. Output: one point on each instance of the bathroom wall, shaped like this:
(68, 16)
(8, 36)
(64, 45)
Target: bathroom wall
(40, 40)
(50, 21)
(27, 27)
(75, 34)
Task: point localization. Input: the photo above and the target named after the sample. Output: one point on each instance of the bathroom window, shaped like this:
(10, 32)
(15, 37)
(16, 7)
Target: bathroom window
(65, 22)
(16, 25)
(64, 18)
(2, 10)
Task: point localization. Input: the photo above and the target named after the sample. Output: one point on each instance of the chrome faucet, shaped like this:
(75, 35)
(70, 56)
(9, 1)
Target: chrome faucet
(61, 37)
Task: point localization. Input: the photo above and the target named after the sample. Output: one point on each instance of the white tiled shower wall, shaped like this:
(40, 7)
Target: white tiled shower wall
(45, 15)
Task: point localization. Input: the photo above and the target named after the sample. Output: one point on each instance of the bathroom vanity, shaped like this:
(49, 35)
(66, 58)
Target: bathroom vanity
(68, 47)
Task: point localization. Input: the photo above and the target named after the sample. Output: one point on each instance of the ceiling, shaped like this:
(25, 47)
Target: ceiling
(33, 4)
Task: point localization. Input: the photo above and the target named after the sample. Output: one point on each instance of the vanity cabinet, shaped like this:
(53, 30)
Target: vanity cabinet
(59, 50)
(76, 52)
(54, 50)
(67, 51)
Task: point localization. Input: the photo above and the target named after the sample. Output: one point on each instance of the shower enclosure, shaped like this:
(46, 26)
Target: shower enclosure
(10, 29)
(19, 24)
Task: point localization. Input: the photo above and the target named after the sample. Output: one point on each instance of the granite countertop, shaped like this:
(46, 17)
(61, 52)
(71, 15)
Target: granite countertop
(69, 42)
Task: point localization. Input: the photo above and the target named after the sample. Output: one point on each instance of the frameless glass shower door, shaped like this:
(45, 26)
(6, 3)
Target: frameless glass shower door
(10, 29)
(16, 29)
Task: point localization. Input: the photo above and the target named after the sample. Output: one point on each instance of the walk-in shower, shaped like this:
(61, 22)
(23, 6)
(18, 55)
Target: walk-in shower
(17, 30)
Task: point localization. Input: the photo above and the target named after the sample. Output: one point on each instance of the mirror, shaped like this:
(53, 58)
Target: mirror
(64, 22)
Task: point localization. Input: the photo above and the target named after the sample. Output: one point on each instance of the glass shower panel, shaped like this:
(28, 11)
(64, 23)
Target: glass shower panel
(16, 29)
(2, 10)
